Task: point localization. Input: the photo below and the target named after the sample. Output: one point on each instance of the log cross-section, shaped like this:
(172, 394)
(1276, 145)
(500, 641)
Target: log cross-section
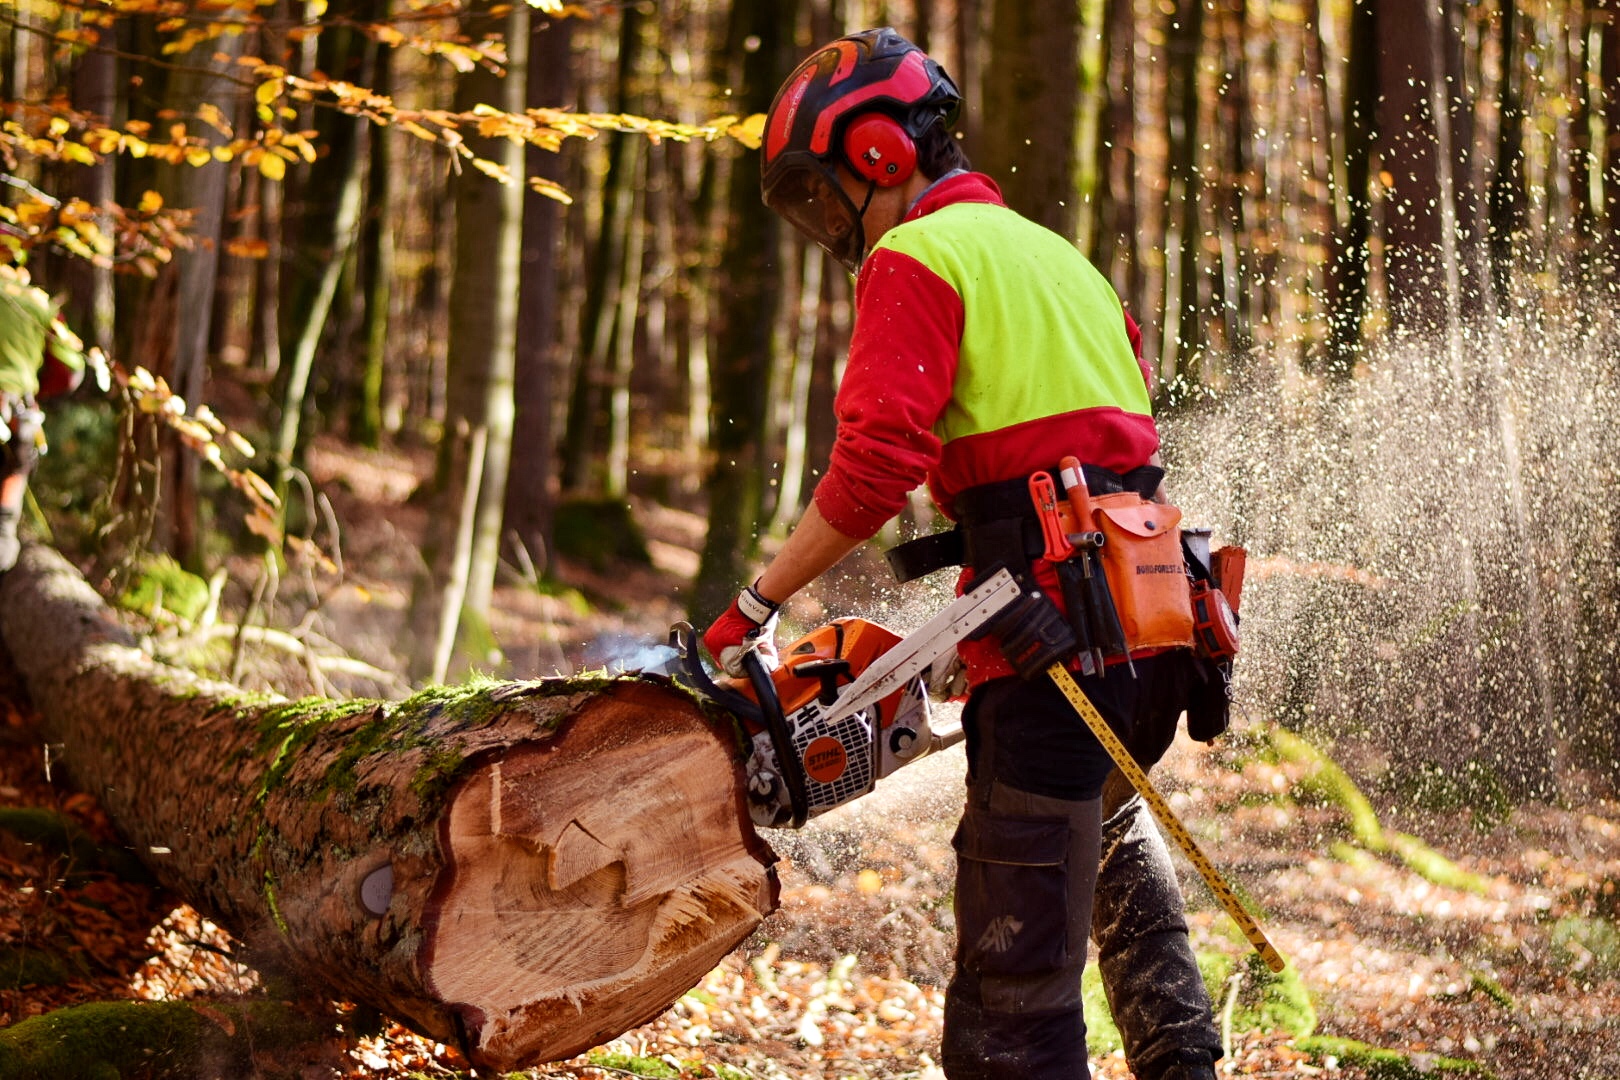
(523, 869)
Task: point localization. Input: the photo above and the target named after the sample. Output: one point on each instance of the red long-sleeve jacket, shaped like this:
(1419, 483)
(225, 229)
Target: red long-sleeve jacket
(985, 347)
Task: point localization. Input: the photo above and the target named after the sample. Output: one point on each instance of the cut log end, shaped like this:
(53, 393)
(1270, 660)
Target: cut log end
(593, 879)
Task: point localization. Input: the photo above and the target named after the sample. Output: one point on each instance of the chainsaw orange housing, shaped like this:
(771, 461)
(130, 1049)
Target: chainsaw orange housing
(857, 642)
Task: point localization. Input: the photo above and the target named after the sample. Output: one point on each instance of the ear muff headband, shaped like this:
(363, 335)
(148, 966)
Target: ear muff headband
(878, 149)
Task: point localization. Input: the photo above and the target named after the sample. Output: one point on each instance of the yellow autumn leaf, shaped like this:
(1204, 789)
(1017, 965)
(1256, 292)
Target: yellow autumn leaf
(198, 156)
(550, 7)
(751, 132)
(261, 522)
(247, 248)
(256, 486)
(491, 168)
(551, 190)
(151, 202)
(205, 416)
(268, 91)
(273, 167)
(210, 114)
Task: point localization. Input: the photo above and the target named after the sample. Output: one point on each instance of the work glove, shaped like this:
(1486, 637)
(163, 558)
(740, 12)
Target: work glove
(748, 626)
(946, 678)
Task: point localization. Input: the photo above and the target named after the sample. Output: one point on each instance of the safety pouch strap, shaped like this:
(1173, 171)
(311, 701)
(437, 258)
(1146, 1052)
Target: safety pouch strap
(915, 558)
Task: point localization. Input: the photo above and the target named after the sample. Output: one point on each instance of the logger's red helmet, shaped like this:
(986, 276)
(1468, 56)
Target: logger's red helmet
(860, 102)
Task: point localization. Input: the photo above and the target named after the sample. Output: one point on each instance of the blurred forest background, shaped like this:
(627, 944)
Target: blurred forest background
(1373, 244)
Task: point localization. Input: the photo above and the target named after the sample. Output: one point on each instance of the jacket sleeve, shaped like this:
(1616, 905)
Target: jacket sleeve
(902, 364)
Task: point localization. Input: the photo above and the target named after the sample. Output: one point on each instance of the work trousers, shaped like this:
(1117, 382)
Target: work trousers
(1049, 830)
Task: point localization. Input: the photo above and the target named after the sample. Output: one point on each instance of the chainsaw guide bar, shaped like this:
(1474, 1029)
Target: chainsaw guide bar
(846, 708)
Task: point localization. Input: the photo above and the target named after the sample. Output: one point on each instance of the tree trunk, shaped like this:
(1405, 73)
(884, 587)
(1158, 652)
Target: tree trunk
(522, 869)
(1508, 201)
(748, 296)
(1347, 278)
(1033, 71)
(582, 449)
(1183, 336)
(1423, 143)
(1606, 30)
(199, 79)
(527, 523)
(1118, 233)
(474, 458)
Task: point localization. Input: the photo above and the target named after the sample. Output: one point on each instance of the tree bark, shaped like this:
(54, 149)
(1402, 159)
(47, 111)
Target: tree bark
(529, 498)
(1424, 138)
(1033, 71)
(1347, 278)
(748, 296)
(522, 869)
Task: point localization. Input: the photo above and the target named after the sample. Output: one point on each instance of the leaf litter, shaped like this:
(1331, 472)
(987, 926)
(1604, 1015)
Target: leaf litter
(846, 980)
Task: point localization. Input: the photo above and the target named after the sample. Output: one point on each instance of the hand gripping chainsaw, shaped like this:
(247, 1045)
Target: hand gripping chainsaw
(847, 707)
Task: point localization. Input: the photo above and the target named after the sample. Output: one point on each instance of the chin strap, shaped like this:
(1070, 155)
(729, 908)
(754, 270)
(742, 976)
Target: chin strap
(860, 219)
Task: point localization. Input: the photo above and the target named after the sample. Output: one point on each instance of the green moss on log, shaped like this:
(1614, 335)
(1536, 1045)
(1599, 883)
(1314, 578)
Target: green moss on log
(1333, 786)
(1381, 1064)
(1264, 1001)
(1326, 780)
(149, 1040)
(1102, 1034)
(1249, 996)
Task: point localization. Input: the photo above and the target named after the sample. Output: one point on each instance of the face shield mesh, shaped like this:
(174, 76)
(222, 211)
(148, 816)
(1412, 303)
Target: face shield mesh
(809, 200)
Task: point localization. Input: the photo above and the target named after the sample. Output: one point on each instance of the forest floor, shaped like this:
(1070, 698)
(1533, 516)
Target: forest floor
(1510, 969)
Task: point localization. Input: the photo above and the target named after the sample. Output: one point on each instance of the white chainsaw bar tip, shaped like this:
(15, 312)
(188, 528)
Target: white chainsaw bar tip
(911, 656)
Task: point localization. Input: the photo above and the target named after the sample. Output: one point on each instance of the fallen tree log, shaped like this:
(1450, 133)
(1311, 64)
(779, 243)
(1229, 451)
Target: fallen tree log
(521, 869)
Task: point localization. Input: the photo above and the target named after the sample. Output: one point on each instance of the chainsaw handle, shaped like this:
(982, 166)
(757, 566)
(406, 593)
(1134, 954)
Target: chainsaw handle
(787, 759)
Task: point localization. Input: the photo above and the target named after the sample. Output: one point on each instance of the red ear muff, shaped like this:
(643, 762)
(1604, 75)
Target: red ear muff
(879, 150)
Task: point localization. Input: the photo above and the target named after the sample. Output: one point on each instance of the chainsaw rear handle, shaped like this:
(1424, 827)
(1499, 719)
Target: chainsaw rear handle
(787, 758)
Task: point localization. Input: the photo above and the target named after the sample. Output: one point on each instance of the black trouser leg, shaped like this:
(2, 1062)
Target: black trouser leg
(1149, 971)
(1026, 865)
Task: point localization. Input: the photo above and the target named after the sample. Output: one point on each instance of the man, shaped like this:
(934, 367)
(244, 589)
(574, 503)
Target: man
(985, 348)
(39, 357)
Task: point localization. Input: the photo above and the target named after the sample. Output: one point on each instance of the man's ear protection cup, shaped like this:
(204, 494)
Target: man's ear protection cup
(879, 150)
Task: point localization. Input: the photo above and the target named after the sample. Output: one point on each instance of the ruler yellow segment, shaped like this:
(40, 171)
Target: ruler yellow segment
(1167, 817)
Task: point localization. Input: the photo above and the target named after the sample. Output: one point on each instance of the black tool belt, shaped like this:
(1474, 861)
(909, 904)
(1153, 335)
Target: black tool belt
(996, 523)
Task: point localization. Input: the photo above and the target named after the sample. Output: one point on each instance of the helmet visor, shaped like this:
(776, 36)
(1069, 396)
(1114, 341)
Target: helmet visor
(810, 199)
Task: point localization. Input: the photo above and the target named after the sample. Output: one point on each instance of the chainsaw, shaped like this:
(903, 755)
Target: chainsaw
(847, 707)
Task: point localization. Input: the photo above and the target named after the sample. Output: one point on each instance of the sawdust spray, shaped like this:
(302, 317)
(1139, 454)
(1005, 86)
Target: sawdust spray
(1434, 549)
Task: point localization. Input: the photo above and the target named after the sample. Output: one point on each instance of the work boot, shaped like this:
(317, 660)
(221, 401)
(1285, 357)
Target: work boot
(1189, 1065)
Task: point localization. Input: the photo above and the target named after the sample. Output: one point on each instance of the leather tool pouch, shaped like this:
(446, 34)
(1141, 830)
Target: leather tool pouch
(1142, 557)
(1031, 632)
(1209, 704)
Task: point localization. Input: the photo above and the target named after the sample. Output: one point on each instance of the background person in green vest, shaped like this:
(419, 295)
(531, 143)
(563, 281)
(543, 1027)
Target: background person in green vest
(39, 358)
(987, 348)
